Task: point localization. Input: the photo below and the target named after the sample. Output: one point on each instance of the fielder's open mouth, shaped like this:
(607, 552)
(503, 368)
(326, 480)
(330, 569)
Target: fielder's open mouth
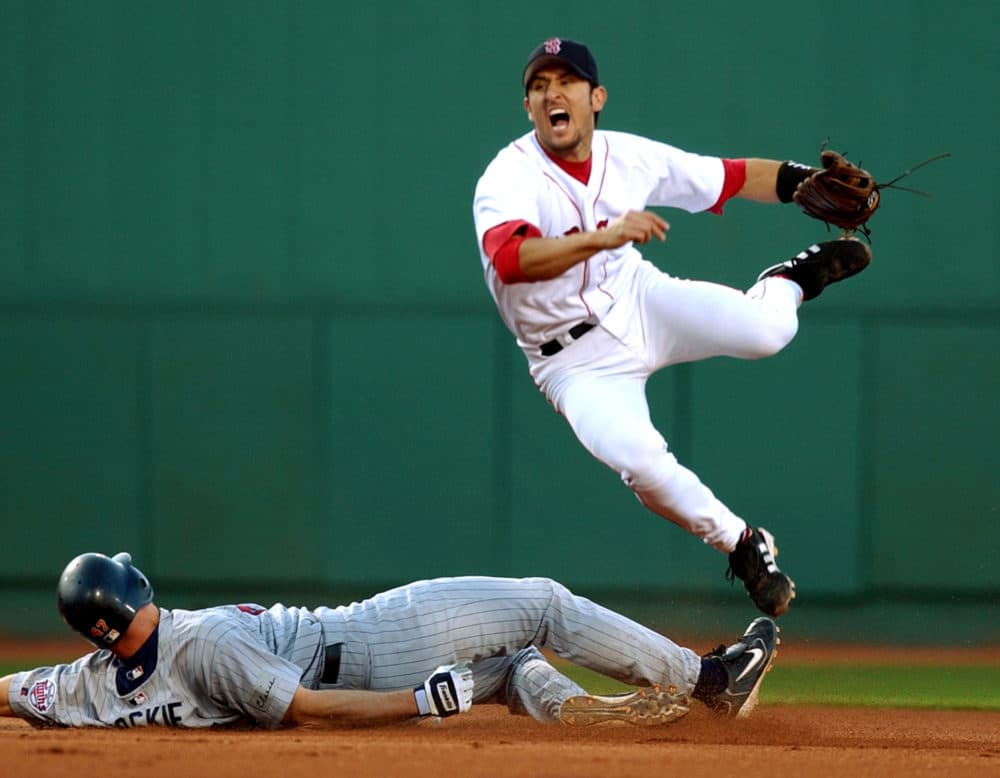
(559, 117)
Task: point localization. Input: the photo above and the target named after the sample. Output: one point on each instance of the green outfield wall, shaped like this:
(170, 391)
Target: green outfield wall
(244, 332)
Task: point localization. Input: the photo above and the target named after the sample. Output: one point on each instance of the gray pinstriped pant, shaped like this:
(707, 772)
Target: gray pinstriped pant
(395, 639)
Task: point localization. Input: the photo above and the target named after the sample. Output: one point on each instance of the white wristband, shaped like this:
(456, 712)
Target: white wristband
(421, 697)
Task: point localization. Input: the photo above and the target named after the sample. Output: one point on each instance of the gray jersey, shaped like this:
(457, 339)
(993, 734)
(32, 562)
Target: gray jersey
(233, 664)
(215, 666)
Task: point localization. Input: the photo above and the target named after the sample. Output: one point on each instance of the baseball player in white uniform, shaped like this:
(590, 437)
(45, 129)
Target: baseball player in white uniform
(430, 648)
(558, 215)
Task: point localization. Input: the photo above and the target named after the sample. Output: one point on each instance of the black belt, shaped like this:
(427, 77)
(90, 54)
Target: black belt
(576, 332)
(331, 664)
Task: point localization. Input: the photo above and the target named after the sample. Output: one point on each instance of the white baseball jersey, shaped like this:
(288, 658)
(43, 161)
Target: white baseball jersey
(234, 664)
(628, 173)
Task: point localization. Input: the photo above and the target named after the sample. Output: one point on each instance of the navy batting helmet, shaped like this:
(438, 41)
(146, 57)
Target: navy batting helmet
(99, 596)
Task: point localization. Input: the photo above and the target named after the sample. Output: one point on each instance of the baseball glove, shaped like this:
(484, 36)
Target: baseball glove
(839, 193)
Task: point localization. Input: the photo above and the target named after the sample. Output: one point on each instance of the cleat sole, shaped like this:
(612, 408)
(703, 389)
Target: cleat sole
(646, 707)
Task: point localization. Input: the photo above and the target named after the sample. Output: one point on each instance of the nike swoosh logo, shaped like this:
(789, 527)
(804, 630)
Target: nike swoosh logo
(758, 657)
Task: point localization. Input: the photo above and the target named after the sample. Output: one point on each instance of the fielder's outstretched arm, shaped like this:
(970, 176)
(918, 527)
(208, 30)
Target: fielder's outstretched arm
(544, 258)
(761, 181)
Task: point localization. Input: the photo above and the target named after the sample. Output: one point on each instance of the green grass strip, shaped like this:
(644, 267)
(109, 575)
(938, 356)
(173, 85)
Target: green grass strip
(910, 686)
(896, 686)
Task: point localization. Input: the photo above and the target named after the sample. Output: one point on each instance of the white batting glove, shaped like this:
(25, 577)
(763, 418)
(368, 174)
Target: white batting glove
(448, 691)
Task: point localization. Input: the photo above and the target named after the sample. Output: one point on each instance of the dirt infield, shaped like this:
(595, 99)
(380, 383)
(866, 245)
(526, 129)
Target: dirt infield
(488, 742)
(777, 740)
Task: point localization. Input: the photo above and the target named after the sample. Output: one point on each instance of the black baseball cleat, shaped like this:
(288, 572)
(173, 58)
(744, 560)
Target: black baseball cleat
(745, 663)
(822, 264)
(752, 561)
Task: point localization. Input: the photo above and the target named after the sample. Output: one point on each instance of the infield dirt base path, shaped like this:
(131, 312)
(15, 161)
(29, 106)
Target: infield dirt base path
(777, 740)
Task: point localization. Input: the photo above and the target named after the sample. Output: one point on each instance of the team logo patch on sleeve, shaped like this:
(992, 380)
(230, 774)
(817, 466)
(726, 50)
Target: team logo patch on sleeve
(42, 695)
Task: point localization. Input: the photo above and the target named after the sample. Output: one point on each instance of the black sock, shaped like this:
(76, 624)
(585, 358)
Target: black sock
(712, 679)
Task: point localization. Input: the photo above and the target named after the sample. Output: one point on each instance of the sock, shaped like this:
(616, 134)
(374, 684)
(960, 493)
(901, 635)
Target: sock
(712, 679)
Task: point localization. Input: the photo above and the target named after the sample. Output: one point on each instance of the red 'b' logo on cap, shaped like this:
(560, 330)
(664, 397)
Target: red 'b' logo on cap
(553, 45)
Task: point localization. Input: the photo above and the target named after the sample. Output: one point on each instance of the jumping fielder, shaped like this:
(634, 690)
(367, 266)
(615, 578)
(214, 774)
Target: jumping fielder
(430, 648)
(558, 215)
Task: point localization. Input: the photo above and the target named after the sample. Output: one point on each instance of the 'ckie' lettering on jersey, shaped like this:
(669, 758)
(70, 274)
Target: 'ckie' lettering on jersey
(165, 715)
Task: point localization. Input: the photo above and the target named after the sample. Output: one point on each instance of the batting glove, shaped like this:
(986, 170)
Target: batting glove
(448, 691)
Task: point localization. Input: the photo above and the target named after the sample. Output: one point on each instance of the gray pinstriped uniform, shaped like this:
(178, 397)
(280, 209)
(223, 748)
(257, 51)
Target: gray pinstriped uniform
(233, 664)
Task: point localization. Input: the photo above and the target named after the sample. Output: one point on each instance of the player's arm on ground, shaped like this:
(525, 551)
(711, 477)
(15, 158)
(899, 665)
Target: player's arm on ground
(544, 258)
(5, 709)
(447, 692)
(333, 707)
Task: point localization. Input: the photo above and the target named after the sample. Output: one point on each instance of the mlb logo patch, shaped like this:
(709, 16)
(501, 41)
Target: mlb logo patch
(42, 695)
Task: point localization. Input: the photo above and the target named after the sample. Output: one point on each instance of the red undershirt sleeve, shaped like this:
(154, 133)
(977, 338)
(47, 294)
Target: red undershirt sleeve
(502, 243)
(736, 176)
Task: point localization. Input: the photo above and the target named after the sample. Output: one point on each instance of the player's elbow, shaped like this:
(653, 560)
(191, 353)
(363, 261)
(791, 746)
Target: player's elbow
(5, 709)
(307, 707)
(294, 716)
(507, 263)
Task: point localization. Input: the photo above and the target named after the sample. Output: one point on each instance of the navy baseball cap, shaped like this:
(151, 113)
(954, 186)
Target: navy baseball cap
(567, 52)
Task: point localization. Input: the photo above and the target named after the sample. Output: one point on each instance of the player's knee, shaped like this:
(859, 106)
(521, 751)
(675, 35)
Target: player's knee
(647, 464)
(553, 589)
(770, 340)
(541, 587)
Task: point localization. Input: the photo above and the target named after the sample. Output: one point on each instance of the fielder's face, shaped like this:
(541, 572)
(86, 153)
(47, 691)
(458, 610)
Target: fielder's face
(562, 105)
